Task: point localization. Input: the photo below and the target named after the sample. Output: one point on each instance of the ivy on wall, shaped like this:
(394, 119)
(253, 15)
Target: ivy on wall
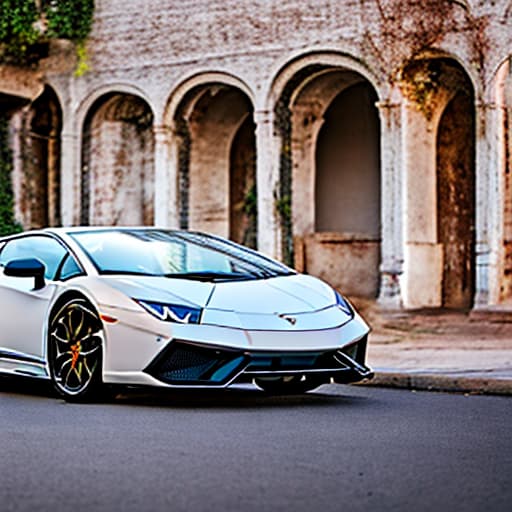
(25, 25)
(18, 29)
(7, 223)
(26, 28)
(407, 29)
(69, 19)
(283, 194)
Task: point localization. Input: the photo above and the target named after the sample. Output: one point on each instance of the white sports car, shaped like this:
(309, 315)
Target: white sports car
(146, 306)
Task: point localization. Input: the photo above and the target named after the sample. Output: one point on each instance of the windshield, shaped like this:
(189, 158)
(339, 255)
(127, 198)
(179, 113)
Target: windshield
(175, 255)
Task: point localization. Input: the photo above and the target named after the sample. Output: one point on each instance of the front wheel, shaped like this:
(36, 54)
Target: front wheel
(75, 344)
(291, 385)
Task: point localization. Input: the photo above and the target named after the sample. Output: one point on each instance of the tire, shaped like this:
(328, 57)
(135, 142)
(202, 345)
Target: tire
(75, 350)
(293, 385)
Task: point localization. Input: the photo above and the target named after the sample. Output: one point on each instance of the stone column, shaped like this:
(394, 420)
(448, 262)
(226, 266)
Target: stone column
(53, 178)
(70, 179)
(488, 205)
(267, 182)
(17, 175)
(166, 178)
(423, 255)
(392, 243)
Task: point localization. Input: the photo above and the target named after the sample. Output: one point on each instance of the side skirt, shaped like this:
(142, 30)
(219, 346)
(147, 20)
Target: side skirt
(17, 363)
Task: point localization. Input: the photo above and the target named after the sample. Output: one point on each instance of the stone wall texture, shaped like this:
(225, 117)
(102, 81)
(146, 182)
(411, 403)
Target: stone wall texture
(437, 73)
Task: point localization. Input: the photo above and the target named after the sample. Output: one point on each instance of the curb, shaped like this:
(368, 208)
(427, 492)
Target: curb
(437, 382)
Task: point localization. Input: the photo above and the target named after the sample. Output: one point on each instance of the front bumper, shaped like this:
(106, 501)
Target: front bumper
(188, 364)
(141, 350)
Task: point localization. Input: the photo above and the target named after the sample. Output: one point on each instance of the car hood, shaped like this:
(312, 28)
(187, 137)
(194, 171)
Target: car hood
(292, 302)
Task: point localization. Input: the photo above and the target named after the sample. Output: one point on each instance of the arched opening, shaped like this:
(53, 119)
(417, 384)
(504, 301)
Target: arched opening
(440, 182)
(456, 201)
(41, 142)
(347, 195)
(331, 174)
(217, 171)
(117, 162)
(242, 193)
(501, 280)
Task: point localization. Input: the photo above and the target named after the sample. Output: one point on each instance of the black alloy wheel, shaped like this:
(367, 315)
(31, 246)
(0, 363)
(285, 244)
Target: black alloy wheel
(75, 344)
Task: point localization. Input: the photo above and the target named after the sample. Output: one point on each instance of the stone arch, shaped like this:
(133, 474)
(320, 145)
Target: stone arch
(292, 65)
(93, 97)
(309, 111)
(440, 219)
(117, 182)
(465, 71)
(213, 124)
(40, 146)
(198, 80)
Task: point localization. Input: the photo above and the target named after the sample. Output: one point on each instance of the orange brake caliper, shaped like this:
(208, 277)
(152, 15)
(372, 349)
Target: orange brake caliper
(75, 349)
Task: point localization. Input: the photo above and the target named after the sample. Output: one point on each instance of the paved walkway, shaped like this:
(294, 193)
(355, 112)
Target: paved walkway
(445, 351)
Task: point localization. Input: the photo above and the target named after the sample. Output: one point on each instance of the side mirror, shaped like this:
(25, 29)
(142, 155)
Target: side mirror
(27, 267)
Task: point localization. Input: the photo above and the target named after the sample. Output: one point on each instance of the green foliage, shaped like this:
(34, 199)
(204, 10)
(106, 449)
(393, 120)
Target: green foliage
(7, 223)
(69, 19)
(284, 208)
(18, 31)
(82, 66)
(251, 202)
(26, 23)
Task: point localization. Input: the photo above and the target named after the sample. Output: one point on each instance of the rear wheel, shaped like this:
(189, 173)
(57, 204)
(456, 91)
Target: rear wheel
(75, 344)
(290, 385)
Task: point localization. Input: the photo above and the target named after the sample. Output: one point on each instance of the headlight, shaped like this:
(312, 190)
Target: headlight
(171, 312)
(344, 304)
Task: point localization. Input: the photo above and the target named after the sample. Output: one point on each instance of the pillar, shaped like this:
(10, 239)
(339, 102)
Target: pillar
(489, 220)
(423, 255)
(267, 183)
(166, 178)
(392, 243)
(70, 196)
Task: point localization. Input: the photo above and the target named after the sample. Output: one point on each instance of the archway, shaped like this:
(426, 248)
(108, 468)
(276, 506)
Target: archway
(456, 200)
(217, 170)
(440, 180)
(330, 177)
(242, 165)
(117, 162)
(501, 283)
(347, 163)
(40, 147)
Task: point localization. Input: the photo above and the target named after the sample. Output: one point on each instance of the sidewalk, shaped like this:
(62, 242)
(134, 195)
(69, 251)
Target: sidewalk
(441, 351)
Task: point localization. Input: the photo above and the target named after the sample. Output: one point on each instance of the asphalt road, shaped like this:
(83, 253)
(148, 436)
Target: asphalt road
(338, 449)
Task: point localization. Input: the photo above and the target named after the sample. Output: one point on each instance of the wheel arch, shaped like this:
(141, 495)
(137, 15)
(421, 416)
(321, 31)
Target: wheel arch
(59, 302)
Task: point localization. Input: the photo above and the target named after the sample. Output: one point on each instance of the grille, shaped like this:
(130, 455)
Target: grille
(293, 361)
(185, 364)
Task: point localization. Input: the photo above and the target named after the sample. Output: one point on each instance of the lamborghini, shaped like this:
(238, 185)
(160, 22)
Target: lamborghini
(90, 307)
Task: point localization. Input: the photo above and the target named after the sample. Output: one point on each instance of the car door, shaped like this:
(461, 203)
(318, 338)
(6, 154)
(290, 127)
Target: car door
(23, 309)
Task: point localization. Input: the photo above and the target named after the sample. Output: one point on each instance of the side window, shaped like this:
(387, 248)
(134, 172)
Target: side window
(44, 248)
(69, 268)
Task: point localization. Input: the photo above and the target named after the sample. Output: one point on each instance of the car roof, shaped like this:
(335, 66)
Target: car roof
(78, 229)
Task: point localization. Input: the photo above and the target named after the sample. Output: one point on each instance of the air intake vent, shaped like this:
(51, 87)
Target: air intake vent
(188, 364)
